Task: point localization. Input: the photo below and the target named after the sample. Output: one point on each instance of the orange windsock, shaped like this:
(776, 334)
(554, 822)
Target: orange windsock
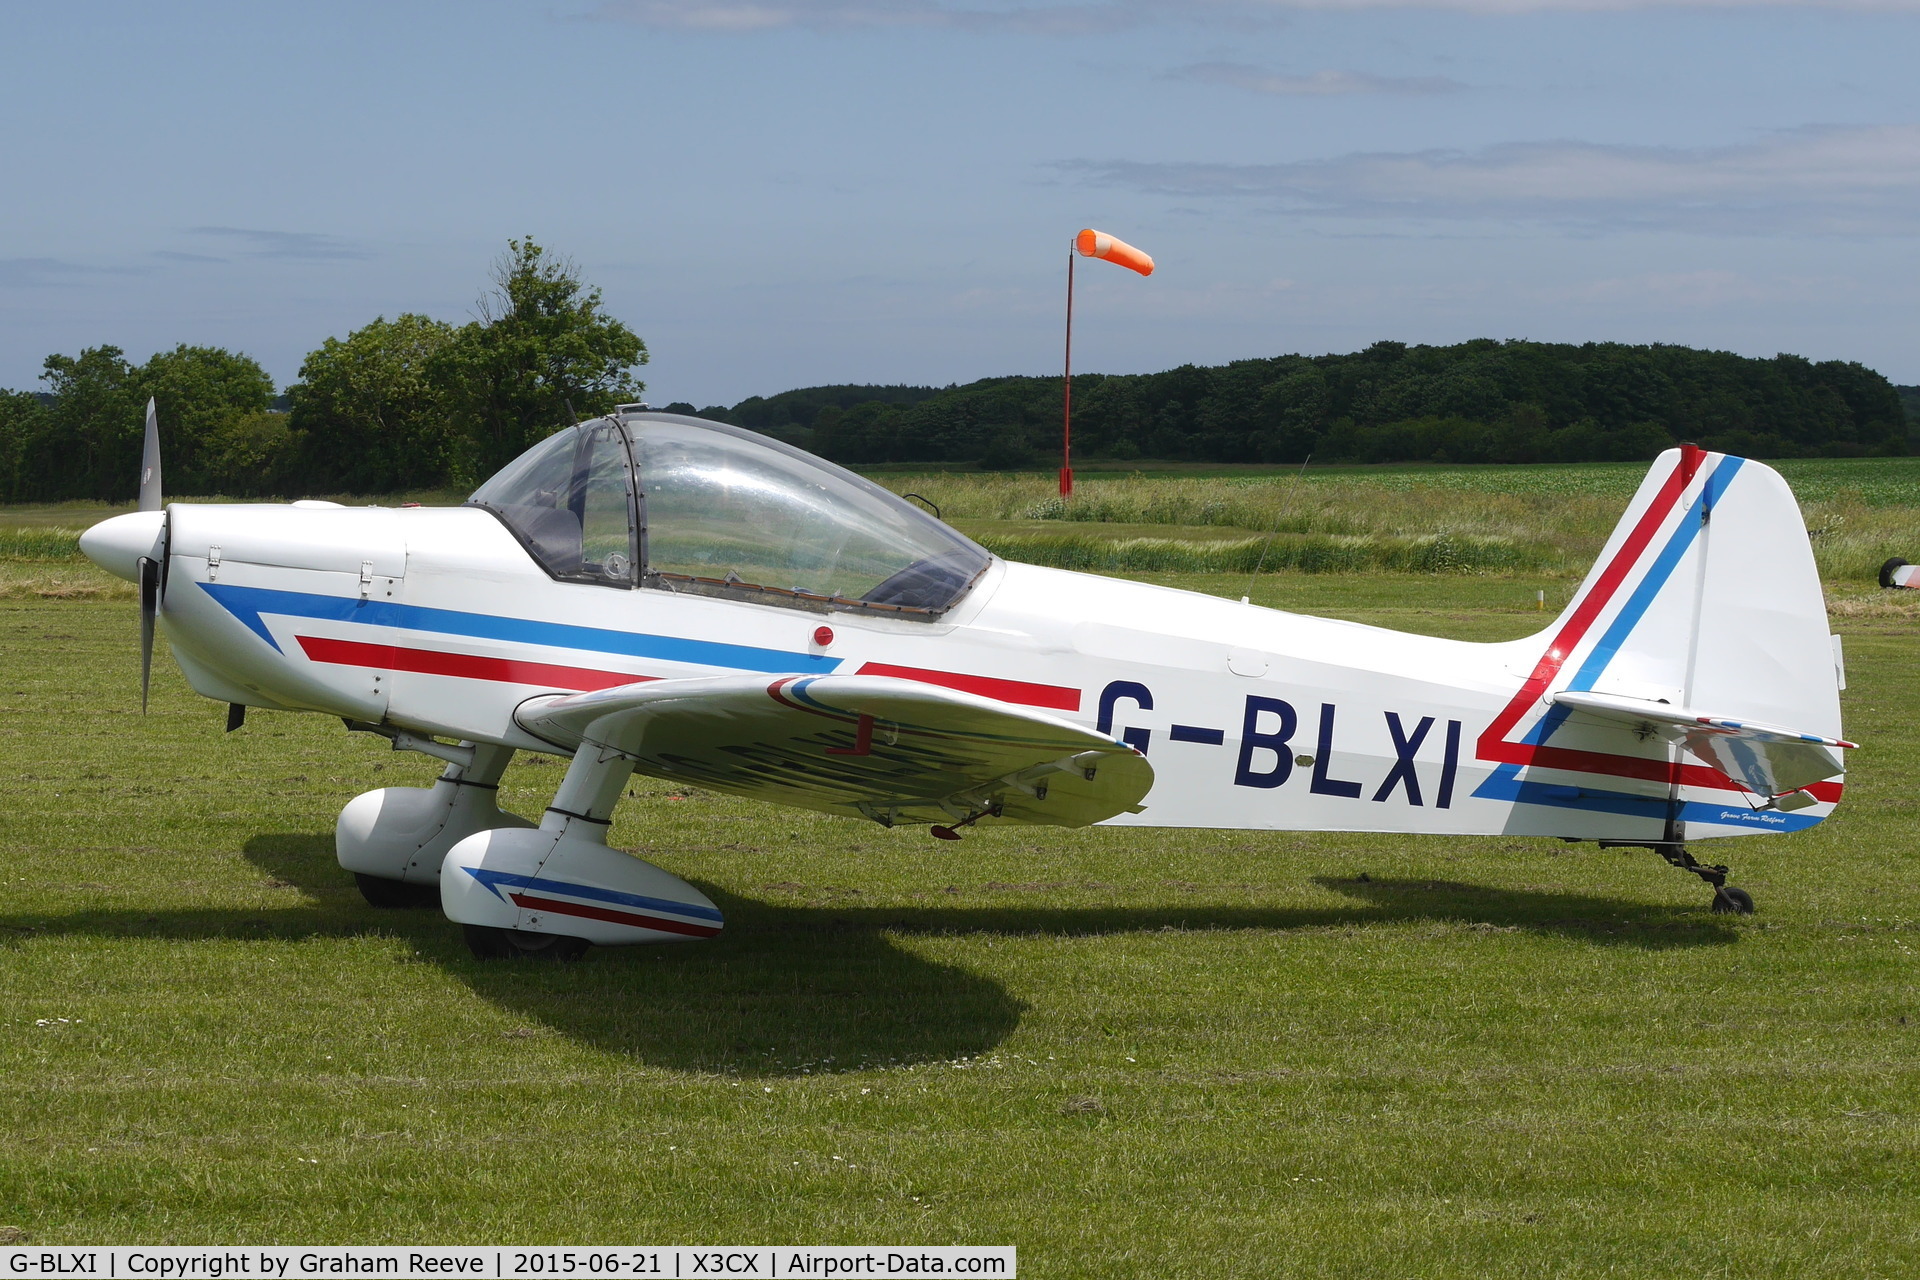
(1098, 244)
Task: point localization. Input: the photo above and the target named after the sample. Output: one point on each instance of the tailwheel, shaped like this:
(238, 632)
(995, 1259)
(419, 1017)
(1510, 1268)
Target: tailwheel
(395, 894)
(1728, 900)
(489, 943)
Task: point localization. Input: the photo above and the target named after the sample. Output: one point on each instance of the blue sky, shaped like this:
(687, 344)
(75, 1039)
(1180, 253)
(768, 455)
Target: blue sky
(779, 193)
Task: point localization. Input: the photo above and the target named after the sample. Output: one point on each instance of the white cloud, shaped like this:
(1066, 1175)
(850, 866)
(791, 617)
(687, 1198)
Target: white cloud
(1590, 6)
(747, 16)
(298, 245)
(1826, 179)
(1696, 290)
(1092, 17)
(1238, 75)
(26, 273)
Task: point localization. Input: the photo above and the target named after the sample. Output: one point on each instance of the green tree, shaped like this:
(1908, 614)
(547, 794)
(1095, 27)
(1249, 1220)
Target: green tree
(91, 445)
(22, 420)
(371, 412)
(1292, 411)
(201, 394)
(254, 455)
(542, 354)
(1482, 400)
(87, 445)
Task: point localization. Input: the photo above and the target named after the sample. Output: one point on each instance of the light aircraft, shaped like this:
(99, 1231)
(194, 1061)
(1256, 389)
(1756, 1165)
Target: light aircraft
(696, 602)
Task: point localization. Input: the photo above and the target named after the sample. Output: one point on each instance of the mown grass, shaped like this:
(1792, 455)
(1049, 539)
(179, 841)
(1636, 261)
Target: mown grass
(43, 561)
(1131, 1053)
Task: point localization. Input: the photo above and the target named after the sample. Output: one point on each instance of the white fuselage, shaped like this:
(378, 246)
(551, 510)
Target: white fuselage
(437, 621)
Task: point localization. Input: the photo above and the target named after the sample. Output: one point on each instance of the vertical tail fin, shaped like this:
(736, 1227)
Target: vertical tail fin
(1709, 597)
(1705, 598)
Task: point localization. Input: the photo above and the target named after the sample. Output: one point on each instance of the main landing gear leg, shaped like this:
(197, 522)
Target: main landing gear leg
(581, 812)
(1727, 899)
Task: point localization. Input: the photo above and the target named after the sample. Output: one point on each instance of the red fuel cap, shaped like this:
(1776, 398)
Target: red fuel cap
(823, 636)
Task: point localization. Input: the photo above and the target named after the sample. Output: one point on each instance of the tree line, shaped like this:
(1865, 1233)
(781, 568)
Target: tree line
(418, 403)
(407, 403)
(1478, 401)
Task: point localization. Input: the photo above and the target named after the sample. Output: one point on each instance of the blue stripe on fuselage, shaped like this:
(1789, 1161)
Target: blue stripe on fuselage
(1504, 784)
(248, 603)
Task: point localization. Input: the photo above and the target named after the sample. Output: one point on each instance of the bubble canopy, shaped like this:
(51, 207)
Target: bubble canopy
(682, 504)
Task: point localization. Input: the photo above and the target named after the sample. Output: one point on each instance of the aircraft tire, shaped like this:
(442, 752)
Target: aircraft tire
(489, 943)
(1728, 900)
(1886, 570)
(395, 894)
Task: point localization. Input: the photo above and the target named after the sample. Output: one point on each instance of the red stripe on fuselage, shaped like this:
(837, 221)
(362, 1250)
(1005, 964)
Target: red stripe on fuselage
(1688, 775)
(467, 666)
(660, 923)
(1057, 697)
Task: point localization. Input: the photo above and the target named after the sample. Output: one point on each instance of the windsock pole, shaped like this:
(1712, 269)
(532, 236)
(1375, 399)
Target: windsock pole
(1066, 424)
(1090, 244)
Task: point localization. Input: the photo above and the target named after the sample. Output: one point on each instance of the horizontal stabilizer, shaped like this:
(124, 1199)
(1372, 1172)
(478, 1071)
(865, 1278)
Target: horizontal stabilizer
(896, 751)
(1766, 759)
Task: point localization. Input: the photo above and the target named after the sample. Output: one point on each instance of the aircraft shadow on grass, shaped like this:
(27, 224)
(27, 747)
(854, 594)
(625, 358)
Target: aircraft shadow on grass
(826, 986)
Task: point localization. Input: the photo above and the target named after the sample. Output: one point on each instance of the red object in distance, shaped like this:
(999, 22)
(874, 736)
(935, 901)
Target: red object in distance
(1098, 244)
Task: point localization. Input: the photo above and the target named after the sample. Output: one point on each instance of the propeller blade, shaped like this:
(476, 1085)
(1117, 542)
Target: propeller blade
(153, 572)
(150, 499)
(149, 610)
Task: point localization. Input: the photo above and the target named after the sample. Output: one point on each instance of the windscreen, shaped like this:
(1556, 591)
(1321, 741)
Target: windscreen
(730, 512)
(569, 501)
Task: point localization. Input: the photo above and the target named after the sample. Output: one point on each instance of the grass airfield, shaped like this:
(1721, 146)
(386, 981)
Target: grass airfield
(1126, 1052)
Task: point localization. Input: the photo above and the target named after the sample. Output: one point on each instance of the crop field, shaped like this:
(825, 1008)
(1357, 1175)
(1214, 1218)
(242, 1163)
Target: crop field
(1541, 521)
(1536, 519)
(1129, 1053)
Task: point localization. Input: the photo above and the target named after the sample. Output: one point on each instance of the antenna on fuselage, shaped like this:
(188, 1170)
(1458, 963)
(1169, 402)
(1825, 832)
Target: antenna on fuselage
(1274, 532)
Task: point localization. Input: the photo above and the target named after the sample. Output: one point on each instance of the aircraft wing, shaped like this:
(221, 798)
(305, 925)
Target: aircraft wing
(869, 746)
(1766, 759)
